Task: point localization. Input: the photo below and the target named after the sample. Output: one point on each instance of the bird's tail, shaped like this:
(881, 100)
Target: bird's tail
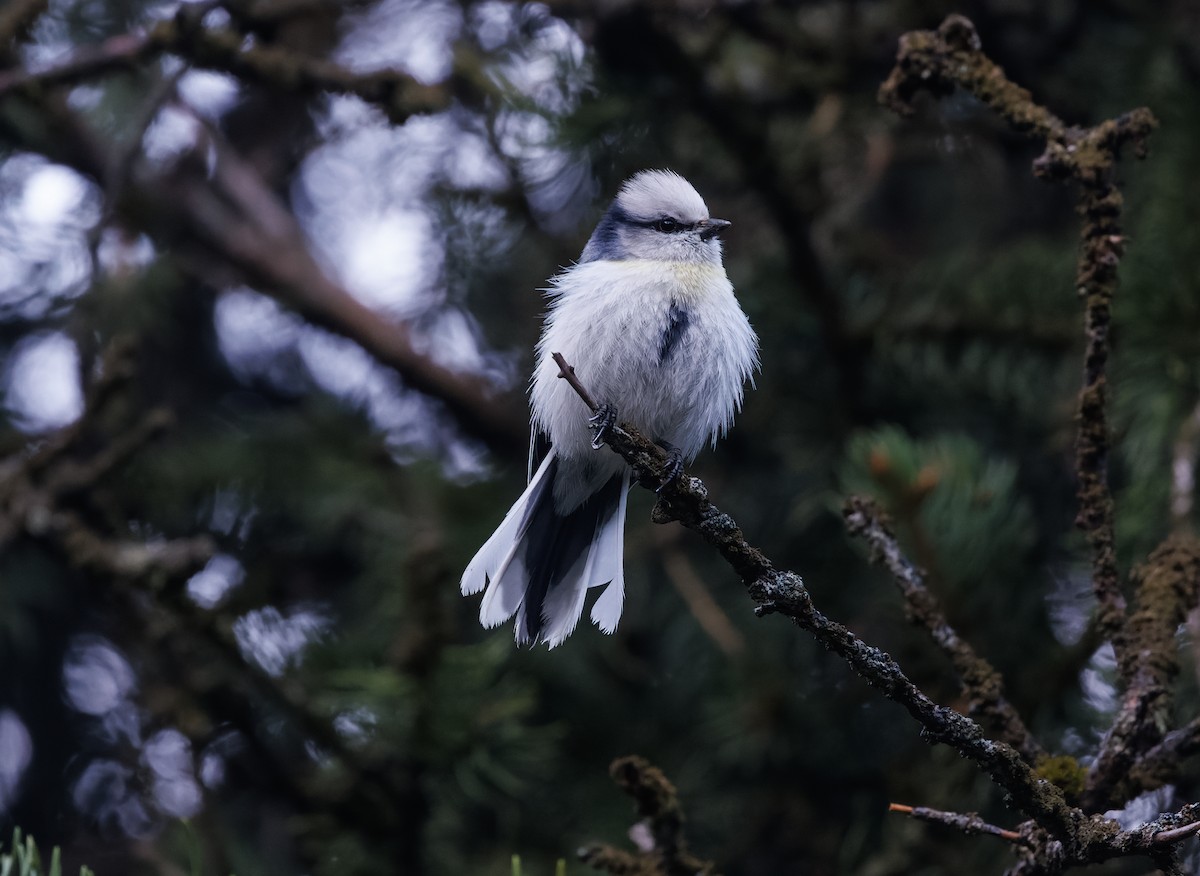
(539, 563)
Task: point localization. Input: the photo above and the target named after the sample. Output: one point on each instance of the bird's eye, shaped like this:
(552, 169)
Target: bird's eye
(666, 225)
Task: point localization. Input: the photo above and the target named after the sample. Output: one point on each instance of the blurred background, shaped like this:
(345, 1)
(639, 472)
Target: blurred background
(232, 639)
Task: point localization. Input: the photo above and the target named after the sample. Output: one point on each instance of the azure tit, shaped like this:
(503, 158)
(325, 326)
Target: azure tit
(649, 321)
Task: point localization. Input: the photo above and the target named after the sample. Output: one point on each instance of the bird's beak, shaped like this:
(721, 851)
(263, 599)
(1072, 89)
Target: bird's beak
(710, 228)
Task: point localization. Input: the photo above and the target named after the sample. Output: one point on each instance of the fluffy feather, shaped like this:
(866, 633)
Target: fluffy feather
(649, 320)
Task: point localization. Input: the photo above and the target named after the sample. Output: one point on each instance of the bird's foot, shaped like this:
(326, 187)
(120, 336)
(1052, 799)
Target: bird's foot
(674, 466)
(600, 422)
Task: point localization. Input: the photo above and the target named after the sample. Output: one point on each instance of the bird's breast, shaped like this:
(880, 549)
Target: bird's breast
(654, 339)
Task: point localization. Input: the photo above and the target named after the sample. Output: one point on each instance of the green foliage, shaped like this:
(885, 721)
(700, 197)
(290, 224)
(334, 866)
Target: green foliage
(960, 508)
(25, 859)
(560, 867)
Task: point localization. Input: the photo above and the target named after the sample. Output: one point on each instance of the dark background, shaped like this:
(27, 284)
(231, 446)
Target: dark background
(318, 698)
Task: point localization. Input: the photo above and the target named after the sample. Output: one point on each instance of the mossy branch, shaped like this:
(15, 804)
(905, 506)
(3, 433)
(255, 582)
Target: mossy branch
(952, 57)
(982, 684)
(782, 592)
(663, 850)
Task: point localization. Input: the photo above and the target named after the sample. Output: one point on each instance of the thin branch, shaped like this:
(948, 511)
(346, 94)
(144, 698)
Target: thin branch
(153, 561)
(567, 372)
(981, 683)
(657, 802)
(1160, 765)
(1176, 834)
(968, 823)
(691, 588)
(781, 592)
(121, 52)
(224, 49)
(1069, 835)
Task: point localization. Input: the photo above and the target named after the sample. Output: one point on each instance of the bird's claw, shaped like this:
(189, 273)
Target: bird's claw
(673, 469)
(600, 422)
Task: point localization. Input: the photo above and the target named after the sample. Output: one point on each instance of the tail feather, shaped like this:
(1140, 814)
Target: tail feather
(563, 605)
(498, 552)
(610, 546)
(540, 563)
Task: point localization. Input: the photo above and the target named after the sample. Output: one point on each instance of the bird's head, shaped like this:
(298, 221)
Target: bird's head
(658, 216)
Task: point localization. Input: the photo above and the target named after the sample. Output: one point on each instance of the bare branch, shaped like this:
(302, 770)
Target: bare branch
(1176, 834)
(567, 372)
(691, 588)
(968, 823)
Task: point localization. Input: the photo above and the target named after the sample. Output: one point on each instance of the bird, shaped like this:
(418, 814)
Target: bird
(648, 319)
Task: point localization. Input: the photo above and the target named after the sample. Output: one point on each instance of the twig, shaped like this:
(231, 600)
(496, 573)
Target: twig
(969, 822)
(567, 372)
(658, 804)
(981, 683)
(715, 623)
(153, 561)
(120, 52)
(1178, 833)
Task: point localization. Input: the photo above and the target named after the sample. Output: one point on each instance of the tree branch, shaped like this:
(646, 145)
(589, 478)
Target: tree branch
(245, 223)
(666, 852)
(397, 94)
(1168, 586)
(1160, 765)
(968, 823)
(781, 592)
(981, 683)
(938, 61)
(233, 218)
(1066, 834)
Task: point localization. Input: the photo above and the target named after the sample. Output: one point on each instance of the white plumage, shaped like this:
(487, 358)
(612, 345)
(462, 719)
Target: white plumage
(649, 320)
